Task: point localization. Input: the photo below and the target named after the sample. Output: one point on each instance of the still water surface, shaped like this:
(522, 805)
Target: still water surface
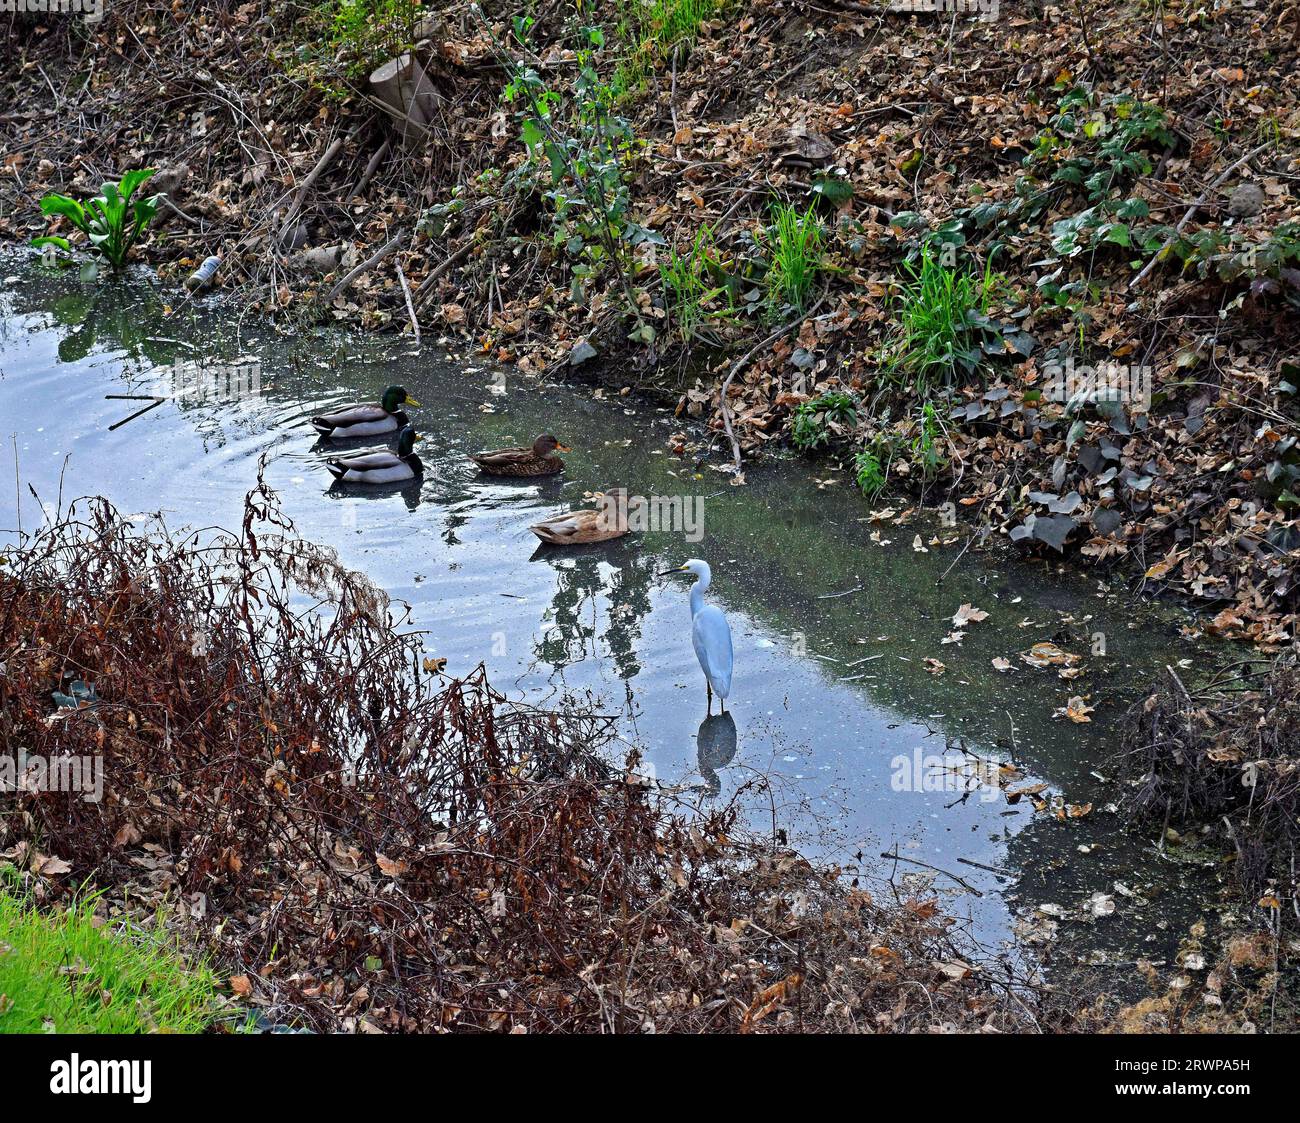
(833, 612)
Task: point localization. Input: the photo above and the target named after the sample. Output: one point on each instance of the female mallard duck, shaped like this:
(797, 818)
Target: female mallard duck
(578, 528)
(367, 420)
(382, 467)
(540, 460)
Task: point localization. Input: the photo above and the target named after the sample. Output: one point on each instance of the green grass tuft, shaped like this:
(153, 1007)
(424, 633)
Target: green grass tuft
(936, 341)
(795, 242)
(691, 286)
(662, 25)
(61, 973)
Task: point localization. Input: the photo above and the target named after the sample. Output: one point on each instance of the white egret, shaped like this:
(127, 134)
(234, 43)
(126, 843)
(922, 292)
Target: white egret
(710, 634)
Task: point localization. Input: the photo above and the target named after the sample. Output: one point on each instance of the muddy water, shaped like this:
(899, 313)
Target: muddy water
(834, 612)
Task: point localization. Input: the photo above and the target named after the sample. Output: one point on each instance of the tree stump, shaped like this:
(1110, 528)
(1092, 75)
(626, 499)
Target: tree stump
(403, 89)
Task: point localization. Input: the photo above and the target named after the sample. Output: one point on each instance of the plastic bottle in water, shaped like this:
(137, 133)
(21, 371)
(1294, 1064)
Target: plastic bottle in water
(202, 276)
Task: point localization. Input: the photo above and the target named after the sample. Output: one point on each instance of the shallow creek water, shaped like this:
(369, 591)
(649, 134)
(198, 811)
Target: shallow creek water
(833, 613)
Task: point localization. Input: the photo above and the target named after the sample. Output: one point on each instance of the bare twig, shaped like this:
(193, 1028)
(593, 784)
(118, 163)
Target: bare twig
(1191, 212)
(739, 365)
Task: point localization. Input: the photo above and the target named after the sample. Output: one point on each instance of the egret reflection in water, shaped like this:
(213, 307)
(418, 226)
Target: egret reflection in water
(715, 746)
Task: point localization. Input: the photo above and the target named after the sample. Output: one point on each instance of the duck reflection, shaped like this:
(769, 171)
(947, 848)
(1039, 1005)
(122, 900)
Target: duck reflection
(715, 745)
(410, 491)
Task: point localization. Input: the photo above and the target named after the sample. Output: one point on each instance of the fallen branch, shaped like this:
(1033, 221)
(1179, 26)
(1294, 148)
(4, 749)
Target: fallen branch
(370, 262)
(369, 173)
(726, 382)
(410, 308)
(312, 176)
(1191, 213)
(894, 855)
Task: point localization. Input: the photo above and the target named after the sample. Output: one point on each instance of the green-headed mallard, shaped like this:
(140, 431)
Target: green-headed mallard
(540, 460)
(382, 467)
(383, 416)
(579, 528)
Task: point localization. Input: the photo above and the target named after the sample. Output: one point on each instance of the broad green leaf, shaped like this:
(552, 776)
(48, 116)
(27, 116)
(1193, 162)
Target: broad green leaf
(132, 180)
(68, 208)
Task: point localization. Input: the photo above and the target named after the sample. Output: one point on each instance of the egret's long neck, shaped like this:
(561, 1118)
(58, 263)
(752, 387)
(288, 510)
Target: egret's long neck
(697, 593)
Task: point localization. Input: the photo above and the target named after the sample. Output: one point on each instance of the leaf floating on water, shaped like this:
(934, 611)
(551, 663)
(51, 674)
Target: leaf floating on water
(1003, 665)
(1101, 904)
(1077, 710)
(1048, 655)
(968, 614)
(934, 666)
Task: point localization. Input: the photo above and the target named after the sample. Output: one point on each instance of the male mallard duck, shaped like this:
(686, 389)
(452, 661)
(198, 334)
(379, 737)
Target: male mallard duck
(367, 420)
(382, 467)
(578, 528)
(540, 460)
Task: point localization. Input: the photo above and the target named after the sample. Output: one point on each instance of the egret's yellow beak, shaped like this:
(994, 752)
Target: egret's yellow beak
(670, 572)
(411, 402)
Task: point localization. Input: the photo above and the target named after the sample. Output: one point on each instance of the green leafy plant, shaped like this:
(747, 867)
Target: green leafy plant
(67, 971)
(925, 445)
(364, 33)
(817, 420)
(1096, 146)
(692, 281)
(870, 471)
(113, 220)
(578, 149)
(796, 257)
(1270, 266)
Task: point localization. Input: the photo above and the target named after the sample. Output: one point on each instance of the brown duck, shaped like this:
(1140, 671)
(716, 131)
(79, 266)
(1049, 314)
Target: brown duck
(579, 528)
(540, 460)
